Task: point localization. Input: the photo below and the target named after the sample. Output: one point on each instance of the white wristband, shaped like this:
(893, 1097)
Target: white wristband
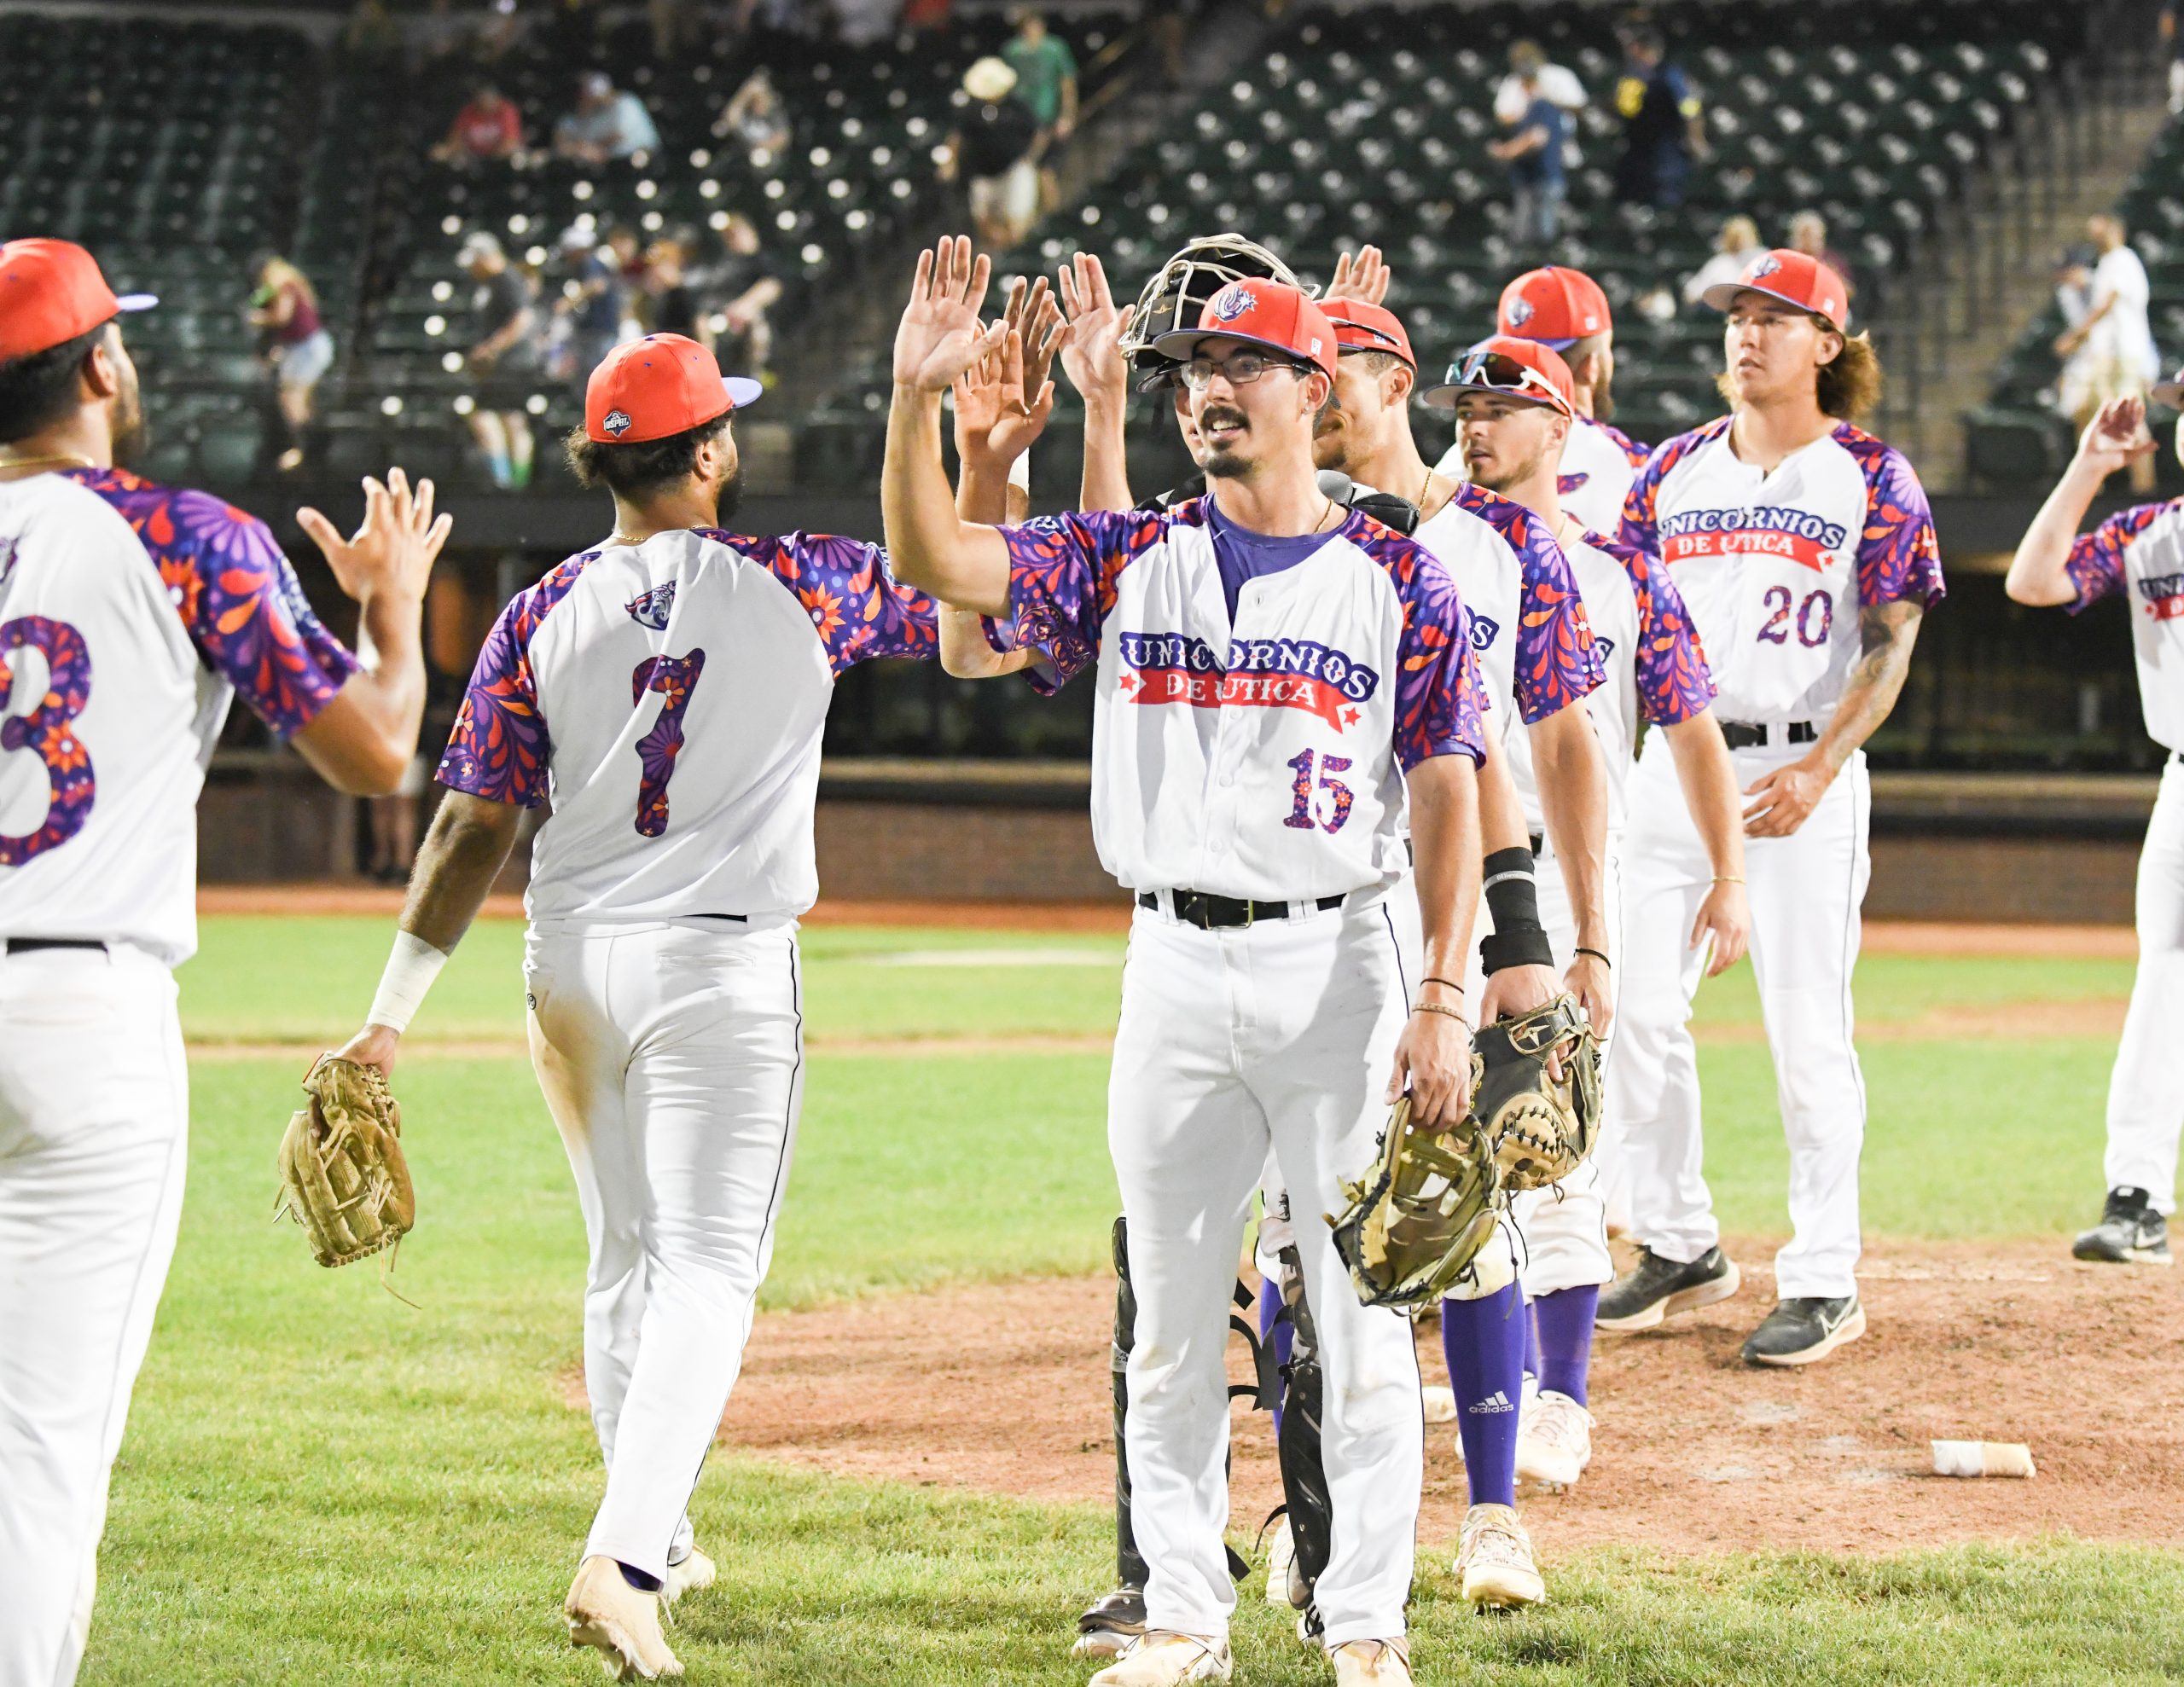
(1019, 473)
(410, 969)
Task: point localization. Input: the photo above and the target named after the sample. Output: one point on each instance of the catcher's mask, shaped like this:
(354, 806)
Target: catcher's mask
(1175, 298)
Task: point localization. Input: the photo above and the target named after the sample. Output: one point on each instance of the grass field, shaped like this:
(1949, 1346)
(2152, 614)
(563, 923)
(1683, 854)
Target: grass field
(321, 1484)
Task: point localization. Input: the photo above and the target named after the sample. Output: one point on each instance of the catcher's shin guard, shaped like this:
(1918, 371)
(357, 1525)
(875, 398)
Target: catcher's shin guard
(1297, 1446)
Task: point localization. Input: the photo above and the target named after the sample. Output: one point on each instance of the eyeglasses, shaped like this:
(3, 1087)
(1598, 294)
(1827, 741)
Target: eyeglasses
(1238, 368)
(1498, 372)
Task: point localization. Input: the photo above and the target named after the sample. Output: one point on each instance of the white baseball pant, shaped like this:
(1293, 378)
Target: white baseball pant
(94, 1135)
(672, 1061)
(2145, 1093)
(1280, 1033)
(1805, 890)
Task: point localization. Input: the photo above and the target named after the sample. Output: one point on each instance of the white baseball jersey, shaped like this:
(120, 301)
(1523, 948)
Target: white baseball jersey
(669, 699)
(1264, 759)
(2140, 554)
(1774, 567)
(1598, 464)
(131, 614)
(1529, 627)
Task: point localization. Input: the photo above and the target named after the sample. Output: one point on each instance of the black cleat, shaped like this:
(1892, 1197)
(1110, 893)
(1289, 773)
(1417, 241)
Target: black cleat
(1808, 1328)
(2130, 1232)
(1113, 1621)
(1642, 1297)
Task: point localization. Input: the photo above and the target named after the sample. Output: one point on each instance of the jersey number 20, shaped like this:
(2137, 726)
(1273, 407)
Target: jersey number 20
(48, 731)
(675, 678)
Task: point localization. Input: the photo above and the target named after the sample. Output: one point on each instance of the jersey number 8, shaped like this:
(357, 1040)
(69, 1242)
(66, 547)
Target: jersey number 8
(48, 731)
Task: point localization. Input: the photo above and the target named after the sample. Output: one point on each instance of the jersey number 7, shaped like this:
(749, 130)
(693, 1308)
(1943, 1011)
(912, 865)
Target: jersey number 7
(676, 679)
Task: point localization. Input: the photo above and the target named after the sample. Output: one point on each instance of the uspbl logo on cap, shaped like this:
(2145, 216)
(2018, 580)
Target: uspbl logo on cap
(1794, 277)
(659, 386)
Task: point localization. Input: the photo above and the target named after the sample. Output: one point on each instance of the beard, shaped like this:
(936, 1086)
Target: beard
(731, 496)
(130, 435)
(1502, 477)
(1222, 462)
(1604, 400)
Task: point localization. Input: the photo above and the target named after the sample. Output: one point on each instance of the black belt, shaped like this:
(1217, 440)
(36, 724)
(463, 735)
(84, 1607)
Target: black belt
(1208, 912)
(1743, 735)
(29, 945)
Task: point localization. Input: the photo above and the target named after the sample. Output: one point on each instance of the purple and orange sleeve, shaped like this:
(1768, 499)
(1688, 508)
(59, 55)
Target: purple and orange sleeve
(2095, 563)
(500, 749)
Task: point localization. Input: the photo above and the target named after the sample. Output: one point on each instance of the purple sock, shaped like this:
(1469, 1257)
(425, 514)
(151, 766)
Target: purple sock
(1483, 1342)
(1565, 1339)
(1284, 1338)
(1531, 1343)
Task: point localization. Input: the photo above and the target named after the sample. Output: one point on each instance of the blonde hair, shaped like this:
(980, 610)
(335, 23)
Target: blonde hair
(1847, 388)
(279, 273)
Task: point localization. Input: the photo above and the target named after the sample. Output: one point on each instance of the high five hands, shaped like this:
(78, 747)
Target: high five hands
(940, 336)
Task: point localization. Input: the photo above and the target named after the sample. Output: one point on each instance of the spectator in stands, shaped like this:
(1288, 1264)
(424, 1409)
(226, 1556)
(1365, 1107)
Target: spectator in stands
(1533, 152)
(1557, 83)
(503, 361)
(590, 304)
(2116, 332)
(1736, 246)
(1046, 82)
(992, 149)
(754, 116)
(608, 123)
(1808, 234)
(285, 308)
(737, 291)
(369, 32)
(488, 129)
(626, 255)
(1664, 122)
(2074, 382)
(670, 301)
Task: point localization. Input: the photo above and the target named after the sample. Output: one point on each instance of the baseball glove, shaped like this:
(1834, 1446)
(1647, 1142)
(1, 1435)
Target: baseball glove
(1419, 1217)
(1541, 1127)
(342, 1174)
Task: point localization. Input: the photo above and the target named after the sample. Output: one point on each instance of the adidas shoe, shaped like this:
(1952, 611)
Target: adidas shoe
(2130, 1232)
(1655, 1289)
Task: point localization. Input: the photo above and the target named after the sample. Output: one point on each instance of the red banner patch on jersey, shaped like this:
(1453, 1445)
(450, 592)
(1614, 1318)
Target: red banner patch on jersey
(1748, 541)
(1241, 691)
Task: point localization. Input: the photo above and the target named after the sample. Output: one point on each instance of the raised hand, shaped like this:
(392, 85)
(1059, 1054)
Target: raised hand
(2115, 436)
(940, 336)
(1364, 277)
(1092, 355)
(392, 553)
(994, 422)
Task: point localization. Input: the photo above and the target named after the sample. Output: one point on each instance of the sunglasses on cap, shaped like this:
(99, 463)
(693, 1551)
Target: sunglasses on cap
(1498, 372)
(1388, 342)
(1238, 368)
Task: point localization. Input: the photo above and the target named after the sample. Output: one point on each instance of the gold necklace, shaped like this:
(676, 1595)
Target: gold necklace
(74, 459)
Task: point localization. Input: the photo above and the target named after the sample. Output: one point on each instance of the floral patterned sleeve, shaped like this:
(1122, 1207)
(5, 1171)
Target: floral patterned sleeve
(1062, 571)
(2095, 563)
(499, 750)
(859, 610)
(1440, 700)
(237, 595)
(1898, 556)
(1558, 660)
(1674, 681)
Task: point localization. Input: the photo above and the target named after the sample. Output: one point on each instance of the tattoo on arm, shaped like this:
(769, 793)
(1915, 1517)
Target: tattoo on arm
(1886, 633)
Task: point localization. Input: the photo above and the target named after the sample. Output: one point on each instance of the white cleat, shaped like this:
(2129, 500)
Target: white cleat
(692, 1573)
(622, 1621)
(1496, 1561)
(1372, 1663)
(1554, 1442)
(1160, 1657)
(1440, 1403)
(1281, 1566)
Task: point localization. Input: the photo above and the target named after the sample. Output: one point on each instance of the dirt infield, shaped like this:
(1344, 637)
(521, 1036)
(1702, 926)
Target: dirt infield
(1003, 1388)
(2090, 942)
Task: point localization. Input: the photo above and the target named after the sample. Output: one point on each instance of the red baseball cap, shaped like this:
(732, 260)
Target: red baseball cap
(1259, 312)
(1359, 326)
(1555, 306)
(657, 386)
(51, 291)
(1529, 369)
(1794, 277)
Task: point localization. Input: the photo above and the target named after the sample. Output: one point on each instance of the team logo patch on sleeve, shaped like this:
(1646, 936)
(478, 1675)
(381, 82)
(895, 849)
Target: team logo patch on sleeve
(1485, 629)
(616, 423)
(1265, 673)
(649, 609)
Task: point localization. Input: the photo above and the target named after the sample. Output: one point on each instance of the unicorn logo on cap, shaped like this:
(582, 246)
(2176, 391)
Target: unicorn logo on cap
(1766, 267)
(1519, 312)
(1230, 303)
(616, 423)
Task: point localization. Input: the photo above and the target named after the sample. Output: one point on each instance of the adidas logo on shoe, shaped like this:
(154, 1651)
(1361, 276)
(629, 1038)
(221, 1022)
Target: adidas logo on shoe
(1496, 1402)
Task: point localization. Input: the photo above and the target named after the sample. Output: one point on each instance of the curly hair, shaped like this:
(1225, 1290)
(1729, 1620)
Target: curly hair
(645, 465)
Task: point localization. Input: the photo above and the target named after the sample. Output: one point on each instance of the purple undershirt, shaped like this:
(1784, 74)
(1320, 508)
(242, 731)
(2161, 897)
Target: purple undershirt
(1242, 554)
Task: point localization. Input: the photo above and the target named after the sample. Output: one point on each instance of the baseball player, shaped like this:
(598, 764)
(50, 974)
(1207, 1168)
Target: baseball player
(666, 690)
(1515, 407)
(130, 615)
(1280, 681)
(1537, 660)
(1806, 553)
(2138, 554)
